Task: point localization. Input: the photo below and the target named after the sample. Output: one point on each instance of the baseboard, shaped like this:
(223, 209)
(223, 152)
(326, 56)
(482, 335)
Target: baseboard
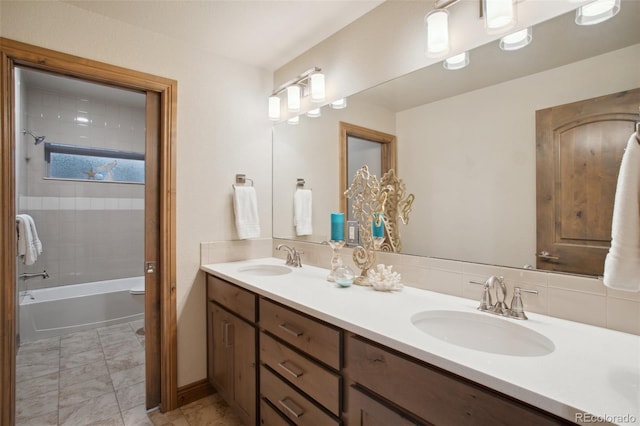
(194, 391)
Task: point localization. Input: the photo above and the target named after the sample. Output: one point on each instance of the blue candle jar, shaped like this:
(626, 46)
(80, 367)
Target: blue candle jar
(337, 226)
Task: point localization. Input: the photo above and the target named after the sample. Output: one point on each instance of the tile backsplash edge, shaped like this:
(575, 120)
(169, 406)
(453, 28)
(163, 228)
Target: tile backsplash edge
(451, 277)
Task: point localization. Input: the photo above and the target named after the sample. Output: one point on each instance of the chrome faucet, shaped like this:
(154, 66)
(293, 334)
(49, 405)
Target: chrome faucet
(44, 275)
(293, 255)
(499, 288)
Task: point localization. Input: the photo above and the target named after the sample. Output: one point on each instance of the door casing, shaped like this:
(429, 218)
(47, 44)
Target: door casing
(160, 305)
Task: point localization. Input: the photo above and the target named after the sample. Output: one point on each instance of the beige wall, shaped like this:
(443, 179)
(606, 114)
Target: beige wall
(219, 134)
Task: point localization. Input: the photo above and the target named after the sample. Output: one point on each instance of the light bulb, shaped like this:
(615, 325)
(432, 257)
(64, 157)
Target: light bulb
(274, 108)
(597, 11)
(314, 113)
(517, 40)
(456, 62)
(339, 104)
(317, 87)
(293, 98)
(499, 15)
(437, 28)
(294, 120)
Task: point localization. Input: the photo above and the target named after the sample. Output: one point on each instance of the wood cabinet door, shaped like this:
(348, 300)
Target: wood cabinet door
(364, 410)
(221, 351)
(579, 147)
(244, 374)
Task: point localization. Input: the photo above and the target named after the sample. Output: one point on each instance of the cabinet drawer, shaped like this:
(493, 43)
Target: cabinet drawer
(269, 416)
(319, 340)
(432, 394)
(232, 297)
(316, 381)
(295, 406)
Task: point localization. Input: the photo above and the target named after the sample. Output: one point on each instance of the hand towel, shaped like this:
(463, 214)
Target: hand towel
(622, 264)
(29, 245)
(302, 203)
(245, 206)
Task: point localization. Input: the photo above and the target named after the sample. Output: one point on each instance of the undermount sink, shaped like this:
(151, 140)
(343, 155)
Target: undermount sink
(483, 332)
(265, 270)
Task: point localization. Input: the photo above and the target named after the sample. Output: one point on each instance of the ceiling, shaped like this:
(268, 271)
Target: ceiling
(262, 33)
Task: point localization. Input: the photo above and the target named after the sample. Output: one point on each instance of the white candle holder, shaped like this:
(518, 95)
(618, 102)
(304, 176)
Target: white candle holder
(336, 260)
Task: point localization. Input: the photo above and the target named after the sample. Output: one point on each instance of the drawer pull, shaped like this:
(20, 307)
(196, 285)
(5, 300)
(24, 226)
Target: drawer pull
(291, 407)
(291, 369)
(291, 330)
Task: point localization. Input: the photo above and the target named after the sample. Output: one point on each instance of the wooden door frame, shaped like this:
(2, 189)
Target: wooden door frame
(13, 53)
(389, 154)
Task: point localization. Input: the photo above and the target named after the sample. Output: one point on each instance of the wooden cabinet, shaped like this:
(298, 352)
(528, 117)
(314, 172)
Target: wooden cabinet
(232, 346)
(314, 373)
(300, 361)
(432, 395)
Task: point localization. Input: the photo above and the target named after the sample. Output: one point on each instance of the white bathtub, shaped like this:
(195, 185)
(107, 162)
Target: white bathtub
(66, 309)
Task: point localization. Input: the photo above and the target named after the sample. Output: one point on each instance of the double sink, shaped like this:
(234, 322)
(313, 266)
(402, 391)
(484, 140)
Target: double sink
(471, 330)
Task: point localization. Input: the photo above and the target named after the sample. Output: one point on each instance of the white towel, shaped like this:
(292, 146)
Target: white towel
(29, 245)
(302, 203)
(245, 206)
(622, 264)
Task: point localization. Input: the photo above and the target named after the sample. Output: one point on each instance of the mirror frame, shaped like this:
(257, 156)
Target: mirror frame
(389, 158)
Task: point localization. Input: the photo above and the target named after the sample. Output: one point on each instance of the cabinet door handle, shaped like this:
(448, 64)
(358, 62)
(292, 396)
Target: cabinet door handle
(291, 407)
(292, 369)
(227, 336)
(291, 330)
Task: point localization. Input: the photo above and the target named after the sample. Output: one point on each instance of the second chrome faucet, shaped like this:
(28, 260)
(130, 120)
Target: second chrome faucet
(499, 288)
(293, 255)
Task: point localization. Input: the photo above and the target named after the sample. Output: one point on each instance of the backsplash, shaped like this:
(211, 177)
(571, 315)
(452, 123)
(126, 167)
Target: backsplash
(571, 297)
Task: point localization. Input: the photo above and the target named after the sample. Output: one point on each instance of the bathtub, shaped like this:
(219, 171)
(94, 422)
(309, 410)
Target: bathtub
(55, 311)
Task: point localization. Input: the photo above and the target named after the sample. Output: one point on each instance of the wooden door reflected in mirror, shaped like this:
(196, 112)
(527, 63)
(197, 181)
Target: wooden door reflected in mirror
(361, 146)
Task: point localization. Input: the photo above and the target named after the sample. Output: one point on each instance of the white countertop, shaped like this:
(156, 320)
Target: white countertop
(592, 370)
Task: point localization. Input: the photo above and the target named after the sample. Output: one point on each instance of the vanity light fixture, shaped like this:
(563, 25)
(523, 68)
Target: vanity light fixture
(500, 15)
(597, 11)
(456, 62)
(293, 98)
(314, 113)
(274, 108)
(317, 87)
(437, 32)
(339, 104)
(517, 40)
(309, 83)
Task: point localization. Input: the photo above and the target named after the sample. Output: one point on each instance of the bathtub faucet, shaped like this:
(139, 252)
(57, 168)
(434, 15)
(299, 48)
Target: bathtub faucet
(42, 274)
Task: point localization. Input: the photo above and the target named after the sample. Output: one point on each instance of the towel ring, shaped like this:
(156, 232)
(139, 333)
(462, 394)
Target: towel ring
(241, 179)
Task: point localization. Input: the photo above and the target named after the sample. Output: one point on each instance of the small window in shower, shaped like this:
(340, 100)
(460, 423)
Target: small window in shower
(93, 164)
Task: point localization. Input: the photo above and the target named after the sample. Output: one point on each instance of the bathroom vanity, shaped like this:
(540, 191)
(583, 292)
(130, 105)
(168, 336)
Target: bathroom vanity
(287, 347)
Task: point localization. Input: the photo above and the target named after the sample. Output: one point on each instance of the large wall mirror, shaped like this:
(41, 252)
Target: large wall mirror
(466, 139)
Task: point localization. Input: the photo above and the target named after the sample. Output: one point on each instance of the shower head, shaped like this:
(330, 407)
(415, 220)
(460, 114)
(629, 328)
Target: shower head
(38, 139)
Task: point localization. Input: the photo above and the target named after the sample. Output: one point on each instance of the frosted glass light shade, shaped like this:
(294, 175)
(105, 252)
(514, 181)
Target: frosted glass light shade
(517, 40)
(314, 113)
(274, 108)
(499, 15)
(437, 28)
(294, 120)
(339, 104)
(316, 82)
(293, 98)
(597, 11)
(456, 62)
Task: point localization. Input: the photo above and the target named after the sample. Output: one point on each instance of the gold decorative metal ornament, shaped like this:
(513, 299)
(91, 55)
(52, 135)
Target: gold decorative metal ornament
(367, 198)
(398, 206)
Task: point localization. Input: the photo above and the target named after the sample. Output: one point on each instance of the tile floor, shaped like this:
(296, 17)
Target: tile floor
(97, 377)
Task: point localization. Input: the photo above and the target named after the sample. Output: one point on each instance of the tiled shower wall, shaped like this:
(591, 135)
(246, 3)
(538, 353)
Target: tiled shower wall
(90, 230)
